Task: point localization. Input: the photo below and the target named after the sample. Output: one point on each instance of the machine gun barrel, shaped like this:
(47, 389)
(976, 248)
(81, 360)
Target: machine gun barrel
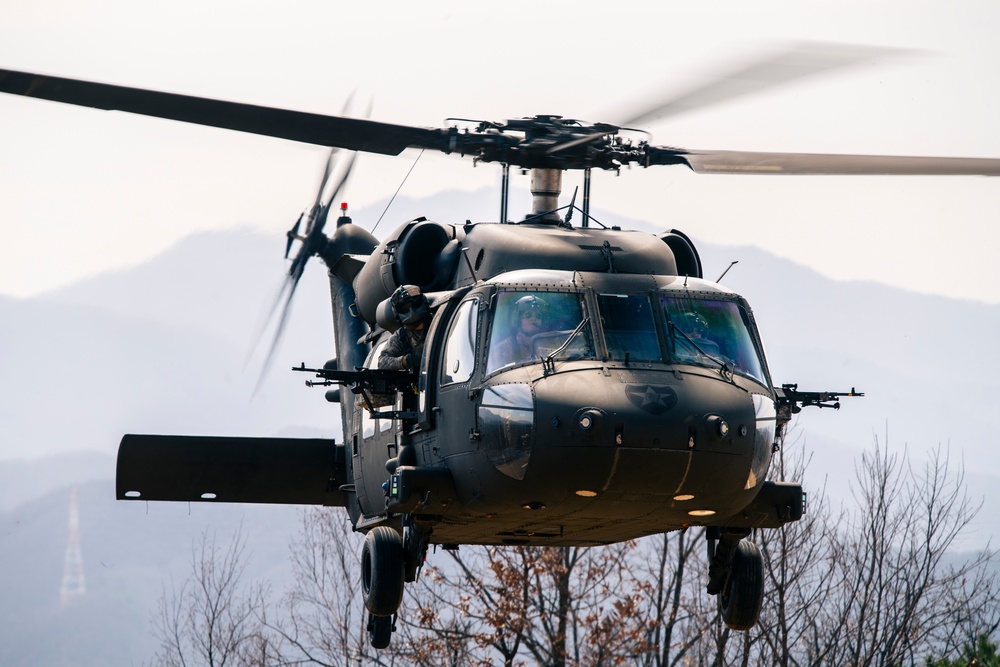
(791, 400)
(373, 380)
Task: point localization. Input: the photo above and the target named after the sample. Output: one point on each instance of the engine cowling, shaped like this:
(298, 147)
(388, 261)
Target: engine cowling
(685, 254)
(420, 252)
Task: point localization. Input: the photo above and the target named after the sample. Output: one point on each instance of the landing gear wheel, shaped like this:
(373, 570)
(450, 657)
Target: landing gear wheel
(382, 571)
(744, 591)
(379, 630)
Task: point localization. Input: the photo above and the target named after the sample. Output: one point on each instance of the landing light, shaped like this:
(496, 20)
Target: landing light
(684, 496)
(586, 494)
(720, 425)
(701, 512)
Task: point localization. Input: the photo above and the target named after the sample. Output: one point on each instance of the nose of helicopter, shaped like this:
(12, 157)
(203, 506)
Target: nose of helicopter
(655, 435)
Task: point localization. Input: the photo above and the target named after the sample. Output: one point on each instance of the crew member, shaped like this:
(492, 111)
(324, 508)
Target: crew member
(405, 347)
(696, 330)
(530, 319)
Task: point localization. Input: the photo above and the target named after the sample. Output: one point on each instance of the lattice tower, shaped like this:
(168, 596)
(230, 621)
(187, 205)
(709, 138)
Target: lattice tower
(73, 583)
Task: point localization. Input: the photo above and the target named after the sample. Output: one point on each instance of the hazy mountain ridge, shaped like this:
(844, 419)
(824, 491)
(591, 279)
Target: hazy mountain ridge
(162, 348)
(79, 376)
(25, 480)
(132, 552)
(914, 355)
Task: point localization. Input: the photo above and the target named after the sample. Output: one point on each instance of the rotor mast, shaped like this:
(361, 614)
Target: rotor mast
(546, 186)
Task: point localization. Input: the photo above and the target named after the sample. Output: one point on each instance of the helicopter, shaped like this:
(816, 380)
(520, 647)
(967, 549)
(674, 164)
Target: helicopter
(641, 404)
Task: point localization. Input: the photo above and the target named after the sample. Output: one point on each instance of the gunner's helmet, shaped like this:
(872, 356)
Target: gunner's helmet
(410, 304)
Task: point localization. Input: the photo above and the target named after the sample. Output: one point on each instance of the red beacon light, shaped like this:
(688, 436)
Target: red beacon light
(344, 218)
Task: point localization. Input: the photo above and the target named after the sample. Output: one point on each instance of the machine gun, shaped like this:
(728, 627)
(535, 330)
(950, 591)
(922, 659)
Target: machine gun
(791, 400)
(368, 382)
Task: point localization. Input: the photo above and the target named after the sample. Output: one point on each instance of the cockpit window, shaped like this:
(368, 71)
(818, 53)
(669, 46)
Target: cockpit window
(460, 348)
(629, 330)
(530, 326)
(709, 332)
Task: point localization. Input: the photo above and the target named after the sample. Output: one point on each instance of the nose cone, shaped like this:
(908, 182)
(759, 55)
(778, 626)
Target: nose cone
(648, 434)
(643, 410)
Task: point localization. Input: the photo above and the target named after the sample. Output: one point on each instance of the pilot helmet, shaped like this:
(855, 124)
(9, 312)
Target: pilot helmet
(409, 304)
(693, 323)
(530, 303)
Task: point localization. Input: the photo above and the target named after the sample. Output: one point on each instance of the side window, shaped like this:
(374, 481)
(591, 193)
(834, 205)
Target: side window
(459, 359)
(381, 402)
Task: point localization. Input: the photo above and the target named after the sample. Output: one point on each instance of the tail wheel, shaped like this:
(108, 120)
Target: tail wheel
(744, 591)
(382, 571)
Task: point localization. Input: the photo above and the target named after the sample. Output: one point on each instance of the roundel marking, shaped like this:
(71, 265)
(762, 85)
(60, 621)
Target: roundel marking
(654, 399)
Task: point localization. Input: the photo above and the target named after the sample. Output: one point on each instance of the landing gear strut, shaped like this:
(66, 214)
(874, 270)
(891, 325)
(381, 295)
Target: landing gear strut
(415, 541)
(736, 575)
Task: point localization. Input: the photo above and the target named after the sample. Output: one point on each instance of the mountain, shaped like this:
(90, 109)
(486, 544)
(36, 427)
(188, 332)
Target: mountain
(25, 480)
(164, 347)
(159, 351)
(132, 553)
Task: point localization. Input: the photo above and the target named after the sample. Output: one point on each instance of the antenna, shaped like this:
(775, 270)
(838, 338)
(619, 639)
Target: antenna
(731, 264)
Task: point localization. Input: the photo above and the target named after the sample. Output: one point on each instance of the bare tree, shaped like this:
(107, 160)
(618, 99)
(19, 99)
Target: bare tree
(874, 584)
(213, 619)
(899, 593)
(540, 605)
(803, 570)
(668, 573)
(470, 607)
(323, 619)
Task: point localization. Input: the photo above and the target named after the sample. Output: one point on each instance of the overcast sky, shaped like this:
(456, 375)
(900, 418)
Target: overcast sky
(82, 191)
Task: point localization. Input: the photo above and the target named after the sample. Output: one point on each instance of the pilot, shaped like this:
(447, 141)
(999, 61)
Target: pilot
(695, 327)
(530, 319)
(406, 345)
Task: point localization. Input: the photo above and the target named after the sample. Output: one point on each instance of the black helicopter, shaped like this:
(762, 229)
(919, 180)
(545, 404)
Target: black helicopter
(643, 404)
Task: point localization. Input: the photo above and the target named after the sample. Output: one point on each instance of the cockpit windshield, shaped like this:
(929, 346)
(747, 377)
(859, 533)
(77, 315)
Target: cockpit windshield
(531, 326)
(709, 332)
(666, 327)
(629, 329)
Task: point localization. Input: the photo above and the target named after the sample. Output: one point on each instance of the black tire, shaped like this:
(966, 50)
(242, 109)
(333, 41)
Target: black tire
(743, 594)
(382, 571)
(379, 631)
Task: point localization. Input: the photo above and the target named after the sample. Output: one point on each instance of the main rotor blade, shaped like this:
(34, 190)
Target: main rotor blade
(797, 62)
(351, 133)
(750, 162)
(340, 184)
(331, 160)
(284, 301)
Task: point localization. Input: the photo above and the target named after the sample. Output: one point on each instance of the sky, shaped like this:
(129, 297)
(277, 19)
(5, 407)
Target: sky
(84, 191)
